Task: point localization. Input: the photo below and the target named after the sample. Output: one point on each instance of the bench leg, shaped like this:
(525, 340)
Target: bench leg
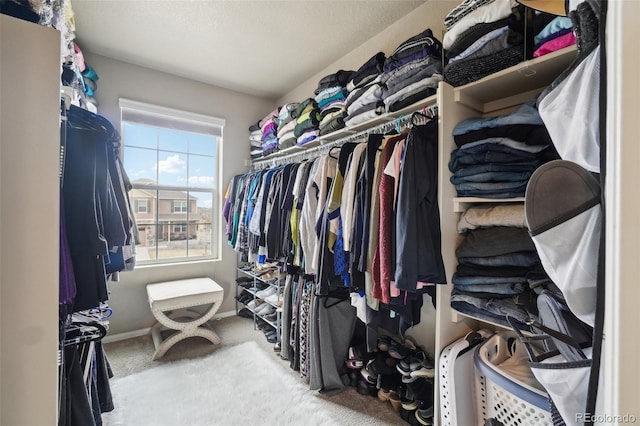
(184, 329)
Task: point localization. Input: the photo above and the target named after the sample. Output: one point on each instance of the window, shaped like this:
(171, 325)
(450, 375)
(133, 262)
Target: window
(180, 206)
(171, 158)
(142, 206)
(180, 228)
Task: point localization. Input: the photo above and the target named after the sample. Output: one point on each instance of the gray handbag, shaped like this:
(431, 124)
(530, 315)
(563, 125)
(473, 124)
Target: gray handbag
(560, 358)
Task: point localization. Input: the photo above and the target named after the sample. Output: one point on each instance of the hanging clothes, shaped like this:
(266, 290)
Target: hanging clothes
(97, 214)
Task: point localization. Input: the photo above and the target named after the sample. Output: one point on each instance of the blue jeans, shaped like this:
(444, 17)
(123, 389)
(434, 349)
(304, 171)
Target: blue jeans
(492, 177)
(488, 153)
(504, 141)
(492, 290)
(494, 195)
(521, 166)
(492, 186)
(494, 310)
(526, 114)
(523, 258)
(480, 280)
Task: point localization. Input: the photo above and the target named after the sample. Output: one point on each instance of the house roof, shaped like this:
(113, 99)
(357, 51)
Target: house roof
(163, 194)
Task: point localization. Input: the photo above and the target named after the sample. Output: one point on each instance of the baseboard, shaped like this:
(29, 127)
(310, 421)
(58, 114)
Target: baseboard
(224, 315)
(126, 335)
(144, 331)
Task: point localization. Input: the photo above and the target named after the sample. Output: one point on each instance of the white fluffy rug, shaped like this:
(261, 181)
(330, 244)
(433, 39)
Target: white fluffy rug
(238, 385)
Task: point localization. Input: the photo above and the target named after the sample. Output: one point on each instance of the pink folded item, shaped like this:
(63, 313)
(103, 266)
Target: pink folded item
(79, 56)
(558, 43)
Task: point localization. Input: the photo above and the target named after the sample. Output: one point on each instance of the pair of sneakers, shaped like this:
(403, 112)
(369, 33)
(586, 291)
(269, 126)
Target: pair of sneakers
(417, 364)
(266, 292)
(416, 398)
(264, 309)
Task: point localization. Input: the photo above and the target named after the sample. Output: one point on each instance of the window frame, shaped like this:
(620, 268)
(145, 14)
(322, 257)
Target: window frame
(146, 205)
(184, 206)
(136, 113)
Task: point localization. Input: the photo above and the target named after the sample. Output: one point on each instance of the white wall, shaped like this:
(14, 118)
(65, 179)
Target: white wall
(128, 297)
(29, 221)
(429, 15)
(620, 374)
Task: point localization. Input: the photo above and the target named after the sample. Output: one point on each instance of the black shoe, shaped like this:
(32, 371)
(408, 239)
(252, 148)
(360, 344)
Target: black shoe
(242, 280)
(421, 389)
(398, 350)
(272, 337)
(354, 378)
(245, 313)
(384, 364)
(366, 388)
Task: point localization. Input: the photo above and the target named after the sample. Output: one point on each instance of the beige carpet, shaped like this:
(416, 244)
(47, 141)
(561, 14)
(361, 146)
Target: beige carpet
(348, 408)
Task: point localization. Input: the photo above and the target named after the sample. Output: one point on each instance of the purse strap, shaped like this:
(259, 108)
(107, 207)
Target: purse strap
(549, 333)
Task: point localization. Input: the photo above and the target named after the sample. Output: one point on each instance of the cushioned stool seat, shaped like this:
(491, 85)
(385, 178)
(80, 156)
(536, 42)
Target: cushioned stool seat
(172, 300)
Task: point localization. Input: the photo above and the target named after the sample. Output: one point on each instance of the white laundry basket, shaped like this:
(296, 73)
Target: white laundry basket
(503, 397)
(456, 377)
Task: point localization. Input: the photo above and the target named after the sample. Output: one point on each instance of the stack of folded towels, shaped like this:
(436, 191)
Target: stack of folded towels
(286, 125)
(364, 101)
(307, 121)
(331, 95)
(269, 128)
(412, 72)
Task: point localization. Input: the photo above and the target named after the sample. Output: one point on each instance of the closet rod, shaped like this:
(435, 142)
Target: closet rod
(398, 123)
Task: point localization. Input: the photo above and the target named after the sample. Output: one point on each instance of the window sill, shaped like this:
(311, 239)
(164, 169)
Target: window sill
(177, 263)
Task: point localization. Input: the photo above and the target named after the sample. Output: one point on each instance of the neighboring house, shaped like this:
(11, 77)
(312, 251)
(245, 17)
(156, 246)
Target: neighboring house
(177, 215)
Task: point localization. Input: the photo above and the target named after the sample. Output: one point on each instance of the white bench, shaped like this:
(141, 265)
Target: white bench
(172, 300)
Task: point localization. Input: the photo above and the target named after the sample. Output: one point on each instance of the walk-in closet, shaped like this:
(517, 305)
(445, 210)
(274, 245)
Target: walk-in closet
(328, 213)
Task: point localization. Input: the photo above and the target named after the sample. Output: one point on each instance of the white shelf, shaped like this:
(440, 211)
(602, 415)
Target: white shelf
(515, 85)
(461, 204)
(456, 314)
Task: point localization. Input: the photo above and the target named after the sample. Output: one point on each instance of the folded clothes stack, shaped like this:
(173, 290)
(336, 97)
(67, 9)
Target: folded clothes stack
(556, 35)
(499, 271)
(496, 156)
(486, 36)
(307, 122)
(255, 141)
(286, 124)
(331, 95)
(412, 72)
(364, 101)
(269, 128)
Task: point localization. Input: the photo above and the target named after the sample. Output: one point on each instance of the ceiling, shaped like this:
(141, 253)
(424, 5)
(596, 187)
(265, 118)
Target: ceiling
(262, 48)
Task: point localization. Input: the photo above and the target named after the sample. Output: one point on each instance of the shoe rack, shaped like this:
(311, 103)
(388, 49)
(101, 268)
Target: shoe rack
(262, 295)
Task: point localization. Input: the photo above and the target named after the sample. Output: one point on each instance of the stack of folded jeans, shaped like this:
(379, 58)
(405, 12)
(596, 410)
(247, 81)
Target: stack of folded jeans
(255, 141)
(332, 101)
(307, 122)
(412, 72)
(286, 125)
(496, 156)
(269, 128)
(364, 101)
(496, 265)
